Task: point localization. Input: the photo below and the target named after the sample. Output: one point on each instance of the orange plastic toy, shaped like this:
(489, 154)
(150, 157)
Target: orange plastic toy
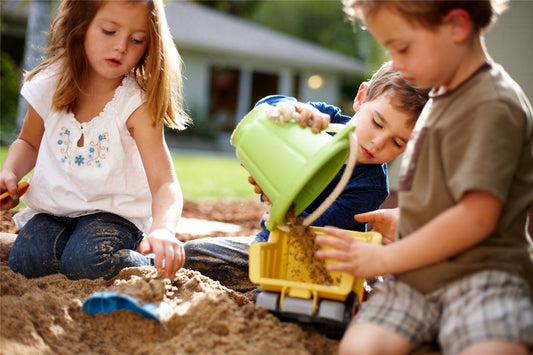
(21, 188)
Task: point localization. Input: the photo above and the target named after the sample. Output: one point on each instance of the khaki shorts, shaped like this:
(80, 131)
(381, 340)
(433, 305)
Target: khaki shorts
(482, 306)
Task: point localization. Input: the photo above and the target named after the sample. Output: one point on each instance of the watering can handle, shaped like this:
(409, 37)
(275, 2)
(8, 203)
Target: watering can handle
(350, 164)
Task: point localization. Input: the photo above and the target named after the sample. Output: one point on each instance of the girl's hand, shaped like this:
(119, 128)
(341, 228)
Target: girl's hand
(384, 220)
(8, 183)
(358, 258)
(9, 202)
(168, 250)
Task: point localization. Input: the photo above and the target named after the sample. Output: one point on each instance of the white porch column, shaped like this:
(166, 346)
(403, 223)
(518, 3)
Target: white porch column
(245, 93)
(285, 84)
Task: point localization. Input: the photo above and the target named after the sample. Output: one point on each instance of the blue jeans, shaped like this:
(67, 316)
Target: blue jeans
(224, 259)
(90, 246)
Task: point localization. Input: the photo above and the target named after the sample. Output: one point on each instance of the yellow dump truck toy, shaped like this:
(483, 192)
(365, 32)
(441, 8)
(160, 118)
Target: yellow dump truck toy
(289, 289)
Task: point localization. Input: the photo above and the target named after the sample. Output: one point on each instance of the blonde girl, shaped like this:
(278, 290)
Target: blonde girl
(104, 185)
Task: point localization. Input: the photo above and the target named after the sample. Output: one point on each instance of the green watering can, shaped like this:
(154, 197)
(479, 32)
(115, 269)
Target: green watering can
(290, 163)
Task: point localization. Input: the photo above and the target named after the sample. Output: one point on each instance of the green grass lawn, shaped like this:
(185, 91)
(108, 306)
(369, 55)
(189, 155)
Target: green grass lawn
(205, 177)
(212, 177)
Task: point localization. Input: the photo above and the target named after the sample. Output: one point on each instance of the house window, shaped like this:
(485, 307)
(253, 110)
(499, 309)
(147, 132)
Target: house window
(224, 95)
(262, 85)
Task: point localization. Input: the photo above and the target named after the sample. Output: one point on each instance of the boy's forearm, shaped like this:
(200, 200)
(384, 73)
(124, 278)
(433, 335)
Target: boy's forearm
(453, 231)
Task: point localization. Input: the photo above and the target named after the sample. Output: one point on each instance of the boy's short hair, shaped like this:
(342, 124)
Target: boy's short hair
(429, 13)
(404, 95)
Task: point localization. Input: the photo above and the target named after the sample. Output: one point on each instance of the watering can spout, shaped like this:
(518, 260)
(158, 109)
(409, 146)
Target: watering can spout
(290, 163)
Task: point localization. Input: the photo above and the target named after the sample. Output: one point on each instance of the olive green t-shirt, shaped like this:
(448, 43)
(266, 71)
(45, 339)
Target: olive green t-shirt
(477, 136)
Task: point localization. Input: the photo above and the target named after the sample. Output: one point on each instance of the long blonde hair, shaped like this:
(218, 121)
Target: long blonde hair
(158, 72)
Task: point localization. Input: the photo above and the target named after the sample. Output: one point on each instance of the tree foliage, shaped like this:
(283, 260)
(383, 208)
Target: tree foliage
(9, 87)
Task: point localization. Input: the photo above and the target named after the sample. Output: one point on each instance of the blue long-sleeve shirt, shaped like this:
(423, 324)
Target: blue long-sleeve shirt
(365, 191)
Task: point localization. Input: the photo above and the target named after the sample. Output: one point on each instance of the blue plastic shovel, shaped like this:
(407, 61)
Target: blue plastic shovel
(110, 301)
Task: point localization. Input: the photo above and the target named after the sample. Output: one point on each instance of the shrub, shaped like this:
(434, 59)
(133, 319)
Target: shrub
(9, 93)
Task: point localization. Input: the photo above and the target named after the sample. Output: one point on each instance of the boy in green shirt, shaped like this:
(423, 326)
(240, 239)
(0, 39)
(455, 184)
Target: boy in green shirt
(459, 269)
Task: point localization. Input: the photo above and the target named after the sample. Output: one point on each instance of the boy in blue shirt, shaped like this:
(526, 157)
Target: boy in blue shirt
(387, 108)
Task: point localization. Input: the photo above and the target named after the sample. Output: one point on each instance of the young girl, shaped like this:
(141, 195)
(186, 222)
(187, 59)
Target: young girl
(94, 134)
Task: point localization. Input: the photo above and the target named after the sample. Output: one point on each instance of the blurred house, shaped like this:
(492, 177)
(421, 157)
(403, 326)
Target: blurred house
(230, 63)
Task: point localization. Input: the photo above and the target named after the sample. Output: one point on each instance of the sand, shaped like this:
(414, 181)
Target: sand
(43, 316)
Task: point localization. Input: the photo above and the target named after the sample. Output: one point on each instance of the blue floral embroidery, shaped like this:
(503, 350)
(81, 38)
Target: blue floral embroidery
(65, 132)
(96, 151)
(79, 160)
(64, 142)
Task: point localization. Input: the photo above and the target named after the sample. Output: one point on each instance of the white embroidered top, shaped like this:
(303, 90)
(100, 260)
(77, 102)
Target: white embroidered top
(106, 174)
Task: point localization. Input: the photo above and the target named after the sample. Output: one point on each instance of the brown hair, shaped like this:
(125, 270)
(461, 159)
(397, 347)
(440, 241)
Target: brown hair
(403, 95)
(158, 72)
(429, 13)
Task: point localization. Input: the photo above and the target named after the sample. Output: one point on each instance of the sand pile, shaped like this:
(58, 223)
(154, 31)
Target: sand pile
(43, 316)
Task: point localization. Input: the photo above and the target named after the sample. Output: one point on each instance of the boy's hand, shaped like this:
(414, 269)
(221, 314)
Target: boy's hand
(311, 115)
(384, 220)
(358, 258)
(257, 188)
(304, 113)
(167, 250)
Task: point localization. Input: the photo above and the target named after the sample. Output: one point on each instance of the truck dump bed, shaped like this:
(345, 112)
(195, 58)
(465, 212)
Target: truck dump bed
(282, 266)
